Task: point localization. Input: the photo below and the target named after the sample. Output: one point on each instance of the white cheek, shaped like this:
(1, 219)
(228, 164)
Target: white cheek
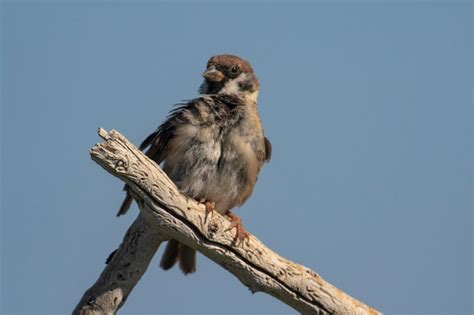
(232, 87)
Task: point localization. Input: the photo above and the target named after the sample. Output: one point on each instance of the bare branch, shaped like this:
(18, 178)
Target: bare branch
(164, 209)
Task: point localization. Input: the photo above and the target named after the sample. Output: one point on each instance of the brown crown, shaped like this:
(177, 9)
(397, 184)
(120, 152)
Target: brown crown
(228, 61)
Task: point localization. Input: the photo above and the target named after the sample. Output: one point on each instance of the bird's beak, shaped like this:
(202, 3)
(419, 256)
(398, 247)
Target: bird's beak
(212, 74)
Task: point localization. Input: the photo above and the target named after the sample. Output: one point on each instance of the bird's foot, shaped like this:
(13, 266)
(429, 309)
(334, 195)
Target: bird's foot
(235, 222)
(210, 206)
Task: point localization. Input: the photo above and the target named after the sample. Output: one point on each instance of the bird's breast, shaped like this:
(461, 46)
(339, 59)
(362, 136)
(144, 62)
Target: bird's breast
(214, 162)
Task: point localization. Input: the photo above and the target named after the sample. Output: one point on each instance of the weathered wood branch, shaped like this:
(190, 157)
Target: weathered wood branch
(167, 214)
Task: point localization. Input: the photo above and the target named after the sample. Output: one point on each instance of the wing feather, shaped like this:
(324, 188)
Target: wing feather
(268, 149)
(156, 144)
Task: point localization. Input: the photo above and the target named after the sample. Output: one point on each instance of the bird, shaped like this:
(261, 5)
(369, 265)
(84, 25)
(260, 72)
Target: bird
(212, 147)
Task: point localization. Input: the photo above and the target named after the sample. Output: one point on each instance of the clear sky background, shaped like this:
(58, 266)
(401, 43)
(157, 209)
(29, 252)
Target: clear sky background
(368, 105)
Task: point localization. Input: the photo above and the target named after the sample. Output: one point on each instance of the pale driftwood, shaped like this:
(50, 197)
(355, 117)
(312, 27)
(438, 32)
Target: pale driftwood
(123, 272)
(167, 214)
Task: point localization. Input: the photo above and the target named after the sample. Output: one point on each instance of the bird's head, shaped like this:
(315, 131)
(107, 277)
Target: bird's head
(228, 74)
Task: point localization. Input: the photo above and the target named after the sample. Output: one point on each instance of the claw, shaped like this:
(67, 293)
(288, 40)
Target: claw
(210, 206)
(241, 234)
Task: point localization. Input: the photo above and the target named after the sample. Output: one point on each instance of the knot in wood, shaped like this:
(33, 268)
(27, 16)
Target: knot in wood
(121, 166)
(212, 228)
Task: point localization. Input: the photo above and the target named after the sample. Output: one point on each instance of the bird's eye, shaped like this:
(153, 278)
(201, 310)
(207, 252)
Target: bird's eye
(234, 69)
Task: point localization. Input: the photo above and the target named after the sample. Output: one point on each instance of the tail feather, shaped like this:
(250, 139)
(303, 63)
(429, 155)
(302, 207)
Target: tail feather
(175, 252)
(170, 255)
(187, 259)
(125, 205)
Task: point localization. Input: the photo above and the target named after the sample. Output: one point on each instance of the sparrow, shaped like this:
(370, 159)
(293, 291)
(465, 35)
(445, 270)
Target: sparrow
(212, 147)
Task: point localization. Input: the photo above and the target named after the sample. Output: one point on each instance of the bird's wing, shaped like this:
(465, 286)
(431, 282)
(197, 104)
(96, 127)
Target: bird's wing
(156, 145)
(268, 149)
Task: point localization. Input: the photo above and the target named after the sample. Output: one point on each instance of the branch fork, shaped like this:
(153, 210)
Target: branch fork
(167, 214)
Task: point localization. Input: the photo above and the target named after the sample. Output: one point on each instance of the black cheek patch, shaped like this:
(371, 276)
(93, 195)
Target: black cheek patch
(246, 85)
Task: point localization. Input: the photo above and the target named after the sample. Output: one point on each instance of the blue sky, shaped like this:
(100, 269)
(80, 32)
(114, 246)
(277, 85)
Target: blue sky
(368, 105)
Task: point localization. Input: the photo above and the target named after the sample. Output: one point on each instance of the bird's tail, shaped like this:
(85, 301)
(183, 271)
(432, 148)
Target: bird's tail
(127, 202)
(175, 252)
